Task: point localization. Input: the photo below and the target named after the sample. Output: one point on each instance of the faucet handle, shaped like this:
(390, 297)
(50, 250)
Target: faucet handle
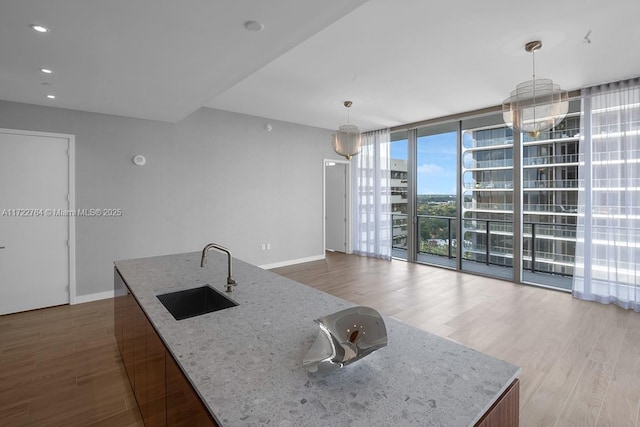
(231, 283)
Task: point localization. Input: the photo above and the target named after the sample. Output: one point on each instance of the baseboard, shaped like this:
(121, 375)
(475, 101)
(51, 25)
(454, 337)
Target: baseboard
(93, 297)
(292, 262)
(79, 299)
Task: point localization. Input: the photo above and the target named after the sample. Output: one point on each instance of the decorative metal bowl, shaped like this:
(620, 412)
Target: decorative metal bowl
(345, 337)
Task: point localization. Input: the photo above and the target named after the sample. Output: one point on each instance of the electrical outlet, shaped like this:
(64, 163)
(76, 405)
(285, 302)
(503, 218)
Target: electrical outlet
(264, 246)
(268, 246)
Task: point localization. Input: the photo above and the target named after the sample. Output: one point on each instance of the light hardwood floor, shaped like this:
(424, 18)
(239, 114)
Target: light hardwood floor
(60, 367)
(580, 360)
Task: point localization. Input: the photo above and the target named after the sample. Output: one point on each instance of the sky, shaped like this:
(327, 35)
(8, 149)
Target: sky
(436, 162)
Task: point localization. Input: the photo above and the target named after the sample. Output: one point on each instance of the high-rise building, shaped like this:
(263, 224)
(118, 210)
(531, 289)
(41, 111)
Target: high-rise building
(399, 202)
(549, 198)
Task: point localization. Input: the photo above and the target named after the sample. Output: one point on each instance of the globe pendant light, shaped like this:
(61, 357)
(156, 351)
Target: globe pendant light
(346, 141)
(536, 105)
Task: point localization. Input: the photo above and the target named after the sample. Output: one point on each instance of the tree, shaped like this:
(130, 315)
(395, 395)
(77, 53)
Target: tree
(436, 221)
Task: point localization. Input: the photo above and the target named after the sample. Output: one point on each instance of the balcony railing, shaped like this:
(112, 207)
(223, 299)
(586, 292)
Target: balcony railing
(488, 142)
(548, 244)
(549, 207)
(550, 160)
(527, 161)
(473, 205)
(547, 247)
(399, 226)
(569, 132)
(614, 127)
(542, 184)
(630, 182)
(483, 164)
(437, 235)
(527, 184)
(604, 156)
(489, 185)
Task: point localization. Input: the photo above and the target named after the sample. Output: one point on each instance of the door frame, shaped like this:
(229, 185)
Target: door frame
(71, 220)
(348, 247)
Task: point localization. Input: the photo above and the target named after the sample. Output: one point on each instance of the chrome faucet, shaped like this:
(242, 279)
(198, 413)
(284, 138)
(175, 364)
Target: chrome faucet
(203, 261)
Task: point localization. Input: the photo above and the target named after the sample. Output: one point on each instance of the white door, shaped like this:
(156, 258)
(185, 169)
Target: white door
(34, 227)
(336, 206)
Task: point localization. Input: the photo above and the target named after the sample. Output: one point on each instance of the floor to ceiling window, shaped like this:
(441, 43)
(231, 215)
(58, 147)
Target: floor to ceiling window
(399, 194)
(435, 182)
(435, 201)
(550, 197)
(487, 200)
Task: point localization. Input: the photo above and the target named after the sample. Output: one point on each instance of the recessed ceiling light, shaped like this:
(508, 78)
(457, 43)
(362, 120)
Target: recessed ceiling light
(39, 28)
(51, 96)
(46, 70)
(254, 26)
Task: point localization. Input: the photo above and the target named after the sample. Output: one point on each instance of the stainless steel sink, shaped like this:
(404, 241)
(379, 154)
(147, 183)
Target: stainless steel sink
(195, 302)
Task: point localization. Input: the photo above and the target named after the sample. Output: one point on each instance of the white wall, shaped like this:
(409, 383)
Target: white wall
(213, 177)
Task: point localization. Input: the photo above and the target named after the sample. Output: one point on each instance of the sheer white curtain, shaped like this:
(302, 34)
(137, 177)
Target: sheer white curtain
(608, 231)
(371, 179)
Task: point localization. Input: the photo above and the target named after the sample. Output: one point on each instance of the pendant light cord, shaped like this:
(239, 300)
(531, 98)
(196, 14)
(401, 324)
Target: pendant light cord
(347, 105)
(533, 60)
(533, 53)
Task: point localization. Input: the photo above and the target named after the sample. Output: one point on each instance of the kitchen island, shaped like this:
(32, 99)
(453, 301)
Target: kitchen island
(245, 362)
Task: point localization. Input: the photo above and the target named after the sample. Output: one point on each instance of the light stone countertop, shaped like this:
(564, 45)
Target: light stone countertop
(246, 361)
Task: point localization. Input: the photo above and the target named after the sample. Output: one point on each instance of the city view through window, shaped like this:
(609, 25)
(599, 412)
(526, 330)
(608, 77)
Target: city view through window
(436, 209)
(549, 199)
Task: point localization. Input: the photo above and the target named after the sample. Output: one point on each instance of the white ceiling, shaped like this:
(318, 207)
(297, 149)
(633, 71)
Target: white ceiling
(399, 61)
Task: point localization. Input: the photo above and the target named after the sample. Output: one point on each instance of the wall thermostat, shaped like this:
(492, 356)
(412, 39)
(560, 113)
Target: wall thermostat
(139, 160)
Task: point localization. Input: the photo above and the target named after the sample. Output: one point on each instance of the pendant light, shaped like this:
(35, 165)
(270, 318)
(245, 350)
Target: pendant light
(535, 105)
(346, 141)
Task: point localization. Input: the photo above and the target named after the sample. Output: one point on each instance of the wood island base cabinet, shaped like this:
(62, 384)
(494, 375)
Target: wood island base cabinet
(164, 395)
(506, 411)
